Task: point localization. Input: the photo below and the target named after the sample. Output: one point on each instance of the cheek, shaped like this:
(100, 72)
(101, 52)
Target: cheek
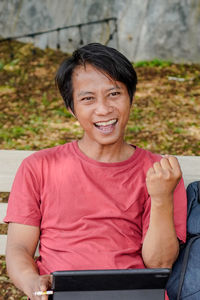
(125, 111)
(84, 118)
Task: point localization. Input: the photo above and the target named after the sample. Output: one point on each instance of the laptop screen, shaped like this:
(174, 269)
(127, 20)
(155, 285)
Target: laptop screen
(141, 284)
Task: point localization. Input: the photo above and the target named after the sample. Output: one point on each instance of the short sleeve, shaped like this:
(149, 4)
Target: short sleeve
(24, 199)
(180, 213)
(146, 217)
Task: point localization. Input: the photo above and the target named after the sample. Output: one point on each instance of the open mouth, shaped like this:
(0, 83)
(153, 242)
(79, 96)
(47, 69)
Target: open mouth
(106, 126)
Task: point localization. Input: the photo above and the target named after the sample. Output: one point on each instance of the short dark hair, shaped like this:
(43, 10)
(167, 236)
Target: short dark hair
(105, 58)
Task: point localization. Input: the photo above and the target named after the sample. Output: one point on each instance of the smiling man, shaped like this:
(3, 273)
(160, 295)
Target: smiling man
(103, 111)
(99, 202)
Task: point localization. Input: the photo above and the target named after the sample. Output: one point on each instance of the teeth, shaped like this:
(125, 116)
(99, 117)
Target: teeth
(110, 122)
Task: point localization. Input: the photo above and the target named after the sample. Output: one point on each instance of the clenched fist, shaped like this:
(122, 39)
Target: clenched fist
(162, 178)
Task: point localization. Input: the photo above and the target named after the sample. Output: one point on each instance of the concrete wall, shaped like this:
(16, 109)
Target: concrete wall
(147, 29)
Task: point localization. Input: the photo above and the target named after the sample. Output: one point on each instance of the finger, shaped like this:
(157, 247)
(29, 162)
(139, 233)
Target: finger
(43, 288)
(175, 165)
(150, 172)
(45, 281)
(45, 284)
(174, 162)
(165, 164)
(157, 167)
(50, 278)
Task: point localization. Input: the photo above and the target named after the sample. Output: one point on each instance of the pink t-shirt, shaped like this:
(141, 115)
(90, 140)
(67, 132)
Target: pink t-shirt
(92, 215)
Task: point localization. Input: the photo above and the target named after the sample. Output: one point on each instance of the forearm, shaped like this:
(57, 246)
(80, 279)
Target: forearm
(21, 245)
(160, 248)
(21, 269)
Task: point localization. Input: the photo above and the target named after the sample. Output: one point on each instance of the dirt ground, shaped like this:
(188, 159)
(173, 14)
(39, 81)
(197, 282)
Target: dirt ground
(165, 115)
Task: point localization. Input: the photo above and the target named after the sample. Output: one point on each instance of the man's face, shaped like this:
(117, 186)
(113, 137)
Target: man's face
(101, 105)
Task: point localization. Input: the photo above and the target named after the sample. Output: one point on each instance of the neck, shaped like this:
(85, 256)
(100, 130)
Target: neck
(116, 152)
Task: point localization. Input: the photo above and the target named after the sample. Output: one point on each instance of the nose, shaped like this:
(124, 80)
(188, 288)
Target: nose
(103, 108)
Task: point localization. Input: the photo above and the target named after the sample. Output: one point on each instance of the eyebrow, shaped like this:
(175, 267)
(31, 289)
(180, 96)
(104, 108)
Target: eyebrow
(114, 88)
(84, 93)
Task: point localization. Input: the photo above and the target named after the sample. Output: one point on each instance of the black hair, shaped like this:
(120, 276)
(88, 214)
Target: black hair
(104, 58)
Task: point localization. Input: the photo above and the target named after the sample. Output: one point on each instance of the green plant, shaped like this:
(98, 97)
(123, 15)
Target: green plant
(45, 99)
(153, 63)
(63, 112)
(1, 65)
(134, 129)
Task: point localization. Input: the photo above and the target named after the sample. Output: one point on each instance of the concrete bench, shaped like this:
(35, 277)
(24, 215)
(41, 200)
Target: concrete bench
(11, 159)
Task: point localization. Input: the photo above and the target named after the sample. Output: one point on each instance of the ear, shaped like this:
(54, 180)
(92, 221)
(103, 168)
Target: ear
(71, 112)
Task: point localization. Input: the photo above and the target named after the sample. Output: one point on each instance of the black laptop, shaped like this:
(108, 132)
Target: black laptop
(136, 284)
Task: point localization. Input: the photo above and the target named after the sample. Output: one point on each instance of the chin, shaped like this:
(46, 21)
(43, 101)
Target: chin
(109, 140)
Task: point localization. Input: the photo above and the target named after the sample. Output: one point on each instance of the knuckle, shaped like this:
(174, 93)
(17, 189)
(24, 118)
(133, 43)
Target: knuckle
(43, 285)
(149, 172)
(157, 163)
(179, 174)
(159, 175)
(163, 159)
(168, 175)
(174, 158)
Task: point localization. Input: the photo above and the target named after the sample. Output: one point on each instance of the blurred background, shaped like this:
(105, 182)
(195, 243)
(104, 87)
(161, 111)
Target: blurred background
(144, 30)
(160, 38)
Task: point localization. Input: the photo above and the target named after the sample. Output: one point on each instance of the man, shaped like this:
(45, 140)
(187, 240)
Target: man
(96, 203)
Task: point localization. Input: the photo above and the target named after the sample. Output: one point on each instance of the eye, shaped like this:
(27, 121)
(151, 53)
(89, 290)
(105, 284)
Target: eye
(87, 99)
(113, 94)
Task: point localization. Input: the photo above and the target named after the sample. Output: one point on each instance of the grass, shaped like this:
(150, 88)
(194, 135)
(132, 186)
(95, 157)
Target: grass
(164, 116)
(153, 63)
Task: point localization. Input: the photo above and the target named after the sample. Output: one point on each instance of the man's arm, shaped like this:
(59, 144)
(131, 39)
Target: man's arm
(21, 245)
(160, 248)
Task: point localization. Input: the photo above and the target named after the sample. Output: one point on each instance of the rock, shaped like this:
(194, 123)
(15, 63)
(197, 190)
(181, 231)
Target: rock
(169, 30)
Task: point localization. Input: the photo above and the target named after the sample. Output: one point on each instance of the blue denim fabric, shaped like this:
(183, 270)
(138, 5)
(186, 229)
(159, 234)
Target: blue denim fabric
(193, 207)
(191, 283)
